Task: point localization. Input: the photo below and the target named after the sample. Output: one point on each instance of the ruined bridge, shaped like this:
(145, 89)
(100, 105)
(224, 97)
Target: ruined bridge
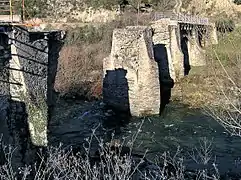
(28, 65)
(142, 60)
(181, 18)
(146, 61)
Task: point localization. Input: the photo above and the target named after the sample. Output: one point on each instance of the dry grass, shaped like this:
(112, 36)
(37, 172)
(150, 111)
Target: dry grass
(79, 68)
(217, 87)
(204, 86)
(81, 59)
(228, 114)
(80, 64)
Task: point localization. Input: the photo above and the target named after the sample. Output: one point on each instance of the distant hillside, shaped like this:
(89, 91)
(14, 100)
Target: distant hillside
(107, 10)
(68, 10)
(215, 7)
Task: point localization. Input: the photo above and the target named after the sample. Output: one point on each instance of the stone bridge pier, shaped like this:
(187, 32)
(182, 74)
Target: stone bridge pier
(28, 65)
(192, 38)
(151, 59)
(131, 72)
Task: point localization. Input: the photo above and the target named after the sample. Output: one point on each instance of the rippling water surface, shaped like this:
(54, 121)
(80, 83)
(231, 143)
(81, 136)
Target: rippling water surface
(179, 126)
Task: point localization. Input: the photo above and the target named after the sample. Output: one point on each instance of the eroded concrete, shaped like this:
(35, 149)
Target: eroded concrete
(131, 73)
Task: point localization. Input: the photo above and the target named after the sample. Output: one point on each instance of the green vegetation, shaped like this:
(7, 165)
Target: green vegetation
(38, 122)
(109, 4)
(201, 88)
(237, 2)
(227, 68)
(44, 8)
(35, 8)
(228, 48)
(88, 34)
(225, 25)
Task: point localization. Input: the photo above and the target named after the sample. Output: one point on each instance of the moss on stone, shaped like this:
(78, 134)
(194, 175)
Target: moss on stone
(38, 121)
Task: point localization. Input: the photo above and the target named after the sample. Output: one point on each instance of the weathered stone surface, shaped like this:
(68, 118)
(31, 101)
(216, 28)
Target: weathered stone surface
(161, 37)
(27, 73)
(177, 54)
(4, 64)
(29, 67)
(197, 55)
(211, 35)
(4, 106)
(131, 73)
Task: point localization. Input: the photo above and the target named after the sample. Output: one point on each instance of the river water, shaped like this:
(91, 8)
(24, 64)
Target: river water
(179, 126)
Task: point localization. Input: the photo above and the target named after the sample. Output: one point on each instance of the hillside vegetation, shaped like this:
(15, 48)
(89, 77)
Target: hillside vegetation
(68, 8)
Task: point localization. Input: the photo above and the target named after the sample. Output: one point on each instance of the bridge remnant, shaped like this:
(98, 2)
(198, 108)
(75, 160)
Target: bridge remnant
(152, 58)
(131, 74)
(28, 64)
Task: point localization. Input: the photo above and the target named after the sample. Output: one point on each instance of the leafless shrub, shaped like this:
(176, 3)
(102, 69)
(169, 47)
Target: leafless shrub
(227, 71)
(172, 166)
(8, 169)
(110, 163)
(81, 59)
(64, 164)
(203, 154)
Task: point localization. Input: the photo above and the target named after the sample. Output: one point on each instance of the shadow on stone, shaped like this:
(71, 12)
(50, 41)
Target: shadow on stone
(200, 38)
(166, 82)
(15, 135)
(28, 66)
(116, 97)
(184, 48)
